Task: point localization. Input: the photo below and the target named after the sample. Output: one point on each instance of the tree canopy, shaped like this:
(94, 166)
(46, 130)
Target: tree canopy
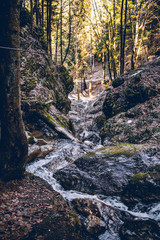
(121, 33)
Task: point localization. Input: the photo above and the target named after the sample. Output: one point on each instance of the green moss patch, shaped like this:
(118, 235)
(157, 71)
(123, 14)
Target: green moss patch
(123, 149)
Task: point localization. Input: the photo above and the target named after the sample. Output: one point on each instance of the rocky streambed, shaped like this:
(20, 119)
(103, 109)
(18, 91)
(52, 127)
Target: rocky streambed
(114, 188)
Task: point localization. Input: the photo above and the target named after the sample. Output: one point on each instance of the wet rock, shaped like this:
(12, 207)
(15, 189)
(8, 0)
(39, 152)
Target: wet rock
(36, 152)
(94, 225)
(41, 142)
(107, 170)
(143, 187)
(91, 137)
(140, 229)
(88, 143)
(98, 217)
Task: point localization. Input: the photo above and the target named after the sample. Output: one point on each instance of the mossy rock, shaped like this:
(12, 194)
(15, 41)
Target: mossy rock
(125, 149)
(117, 82)
(139, 176)
(143, 187)
(62, 103)
(28, 85)
(100, 121)
(66, 78)
(108, 106)
(137, 93)
(132, 94)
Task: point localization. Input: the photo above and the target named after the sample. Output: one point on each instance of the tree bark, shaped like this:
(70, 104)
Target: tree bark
(49, 27)
(61, 32)
(103, 66)
(69, 35)
(91, 36)
(56, 49)
(37, 12)
(42, 14)
(121, 35)
(13, 142)
(31, 6)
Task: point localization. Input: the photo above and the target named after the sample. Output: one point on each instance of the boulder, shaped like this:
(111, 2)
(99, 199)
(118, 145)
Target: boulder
(144, 187)
(141, 229)
(97, 217)
(107, 170)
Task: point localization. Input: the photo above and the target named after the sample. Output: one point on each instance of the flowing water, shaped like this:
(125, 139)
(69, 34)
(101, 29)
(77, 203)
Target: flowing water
(67, 151)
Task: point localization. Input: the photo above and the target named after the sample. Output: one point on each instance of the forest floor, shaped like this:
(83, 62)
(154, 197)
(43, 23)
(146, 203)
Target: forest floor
(31, 209)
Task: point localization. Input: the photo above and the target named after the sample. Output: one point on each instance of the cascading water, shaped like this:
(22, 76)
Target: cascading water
(67, 151)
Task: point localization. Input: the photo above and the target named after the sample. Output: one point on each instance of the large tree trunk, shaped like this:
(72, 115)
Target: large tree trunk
(121, 35)
(56, 49)
(69, 34)
(31, 8)
(61, 30)
(42, 13)
(13, 142)
(50, 29)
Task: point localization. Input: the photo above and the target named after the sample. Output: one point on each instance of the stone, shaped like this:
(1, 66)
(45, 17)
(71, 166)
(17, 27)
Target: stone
(107, 170)
(97, 217)
(140, 229)
(144, 187)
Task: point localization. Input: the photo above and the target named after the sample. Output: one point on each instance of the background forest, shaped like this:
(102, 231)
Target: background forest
(123, 34)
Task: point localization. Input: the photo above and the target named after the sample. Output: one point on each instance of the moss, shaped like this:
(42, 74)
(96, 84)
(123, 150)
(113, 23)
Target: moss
(139, 176)
(31, 140)
(96, 103)
(124, 149)
(73, 218)
(115, 139)
(108, 106)
(29, 85)
(114, 109)
(63, 122)
(51, 119)
(31, 175)
(61, 102)
(100, 121)
(132, 94)
(57, 120)
(90, 154)
(66, 79)
(156, 168)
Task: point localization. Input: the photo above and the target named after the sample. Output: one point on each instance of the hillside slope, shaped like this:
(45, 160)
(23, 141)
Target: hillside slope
(132, 106)
(44, 94)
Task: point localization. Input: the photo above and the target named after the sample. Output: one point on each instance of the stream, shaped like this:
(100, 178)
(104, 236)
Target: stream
(83, 114)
